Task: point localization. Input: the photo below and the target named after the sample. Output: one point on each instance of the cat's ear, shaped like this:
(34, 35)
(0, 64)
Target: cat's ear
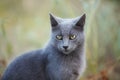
(53, 20)
(80, 22)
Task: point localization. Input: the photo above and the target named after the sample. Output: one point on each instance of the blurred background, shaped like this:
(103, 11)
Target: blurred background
(25, 25)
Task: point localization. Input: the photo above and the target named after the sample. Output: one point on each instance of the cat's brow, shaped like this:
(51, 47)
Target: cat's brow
(65, 28)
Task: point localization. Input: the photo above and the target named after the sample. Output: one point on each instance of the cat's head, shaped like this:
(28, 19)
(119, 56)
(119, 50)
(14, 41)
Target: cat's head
(67, 34)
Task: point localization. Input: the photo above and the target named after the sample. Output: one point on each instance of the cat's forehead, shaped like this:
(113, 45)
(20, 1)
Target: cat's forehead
(66, 25)
(66, 28)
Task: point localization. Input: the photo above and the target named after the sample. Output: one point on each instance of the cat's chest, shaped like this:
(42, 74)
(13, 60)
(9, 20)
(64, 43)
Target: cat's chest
(64, 67)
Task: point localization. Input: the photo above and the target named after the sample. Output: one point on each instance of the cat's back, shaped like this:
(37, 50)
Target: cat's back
(29, 66)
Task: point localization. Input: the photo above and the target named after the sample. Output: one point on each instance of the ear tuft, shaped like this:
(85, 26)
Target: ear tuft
(81, 22)
(53, 20)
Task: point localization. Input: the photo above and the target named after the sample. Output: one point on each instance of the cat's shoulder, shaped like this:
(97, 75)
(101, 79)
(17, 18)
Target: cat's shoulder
(29, 56)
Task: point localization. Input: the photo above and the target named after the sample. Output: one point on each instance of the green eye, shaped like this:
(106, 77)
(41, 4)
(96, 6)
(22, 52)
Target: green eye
(59, 37)
(71, 37)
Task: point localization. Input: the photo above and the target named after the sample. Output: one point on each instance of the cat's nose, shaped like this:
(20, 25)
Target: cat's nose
(65, 47)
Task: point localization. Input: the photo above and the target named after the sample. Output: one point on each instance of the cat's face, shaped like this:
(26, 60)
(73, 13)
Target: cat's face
(67, 34)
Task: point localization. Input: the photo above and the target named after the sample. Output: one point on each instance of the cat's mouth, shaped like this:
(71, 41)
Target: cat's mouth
(66, 51)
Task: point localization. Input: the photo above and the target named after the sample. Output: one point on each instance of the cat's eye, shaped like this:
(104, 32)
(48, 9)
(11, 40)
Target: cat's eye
(59, 37)
(71, 37)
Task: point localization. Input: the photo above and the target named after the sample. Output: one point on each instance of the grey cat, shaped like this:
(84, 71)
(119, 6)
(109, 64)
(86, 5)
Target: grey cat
(63, 58)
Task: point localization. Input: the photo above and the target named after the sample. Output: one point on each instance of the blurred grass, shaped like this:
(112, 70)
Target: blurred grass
(24, 25)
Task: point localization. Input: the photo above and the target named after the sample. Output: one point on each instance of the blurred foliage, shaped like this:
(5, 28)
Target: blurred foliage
(24, 25)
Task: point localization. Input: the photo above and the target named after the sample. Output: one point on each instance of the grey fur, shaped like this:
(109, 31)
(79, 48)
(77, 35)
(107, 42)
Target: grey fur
(53, 62)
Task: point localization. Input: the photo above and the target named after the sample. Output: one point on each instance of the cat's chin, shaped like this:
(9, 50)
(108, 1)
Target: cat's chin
(66, 52)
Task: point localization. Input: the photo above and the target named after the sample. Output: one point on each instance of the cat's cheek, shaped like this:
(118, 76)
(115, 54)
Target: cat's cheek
(72, 47)
(59, 47)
